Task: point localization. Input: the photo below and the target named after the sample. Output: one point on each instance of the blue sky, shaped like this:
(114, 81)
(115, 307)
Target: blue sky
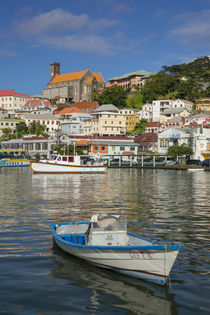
(112, 37)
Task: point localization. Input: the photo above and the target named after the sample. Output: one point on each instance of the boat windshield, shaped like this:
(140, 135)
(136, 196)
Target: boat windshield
(111, 223)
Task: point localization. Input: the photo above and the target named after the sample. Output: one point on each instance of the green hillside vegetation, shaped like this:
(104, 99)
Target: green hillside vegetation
(185, 81)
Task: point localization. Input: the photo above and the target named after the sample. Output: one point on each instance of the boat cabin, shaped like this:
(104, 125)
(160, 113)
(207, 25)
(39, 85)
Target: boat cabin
(107, 231)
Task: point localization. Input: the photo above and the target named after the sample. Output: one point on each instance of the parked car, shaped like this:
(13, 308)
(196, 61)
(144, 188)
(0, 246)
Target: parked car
(193, 162)
(206, 163)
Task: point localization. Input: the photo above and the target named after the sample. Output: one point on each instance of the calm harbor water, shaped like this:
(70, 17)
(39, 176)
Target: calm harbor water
(37, 278)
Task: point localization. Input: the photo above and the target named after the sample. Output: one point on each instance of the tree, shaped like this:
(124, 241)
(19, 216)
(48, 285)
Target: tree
(115, 95)
(158, 86)
(140, 127)
(7, 134)
(135, 101)
(36, 128)
(182, 151)
(21, 129)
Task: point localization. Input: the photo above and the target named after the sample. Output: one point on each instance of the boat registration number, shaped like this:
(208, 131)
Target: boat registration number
(140, 255)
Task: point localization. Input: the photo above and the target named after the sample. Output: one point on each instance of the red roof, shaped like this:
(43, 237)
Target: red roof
(86, 104)
(147, 138)
(12, 93)
(157, 124)
(37, 102)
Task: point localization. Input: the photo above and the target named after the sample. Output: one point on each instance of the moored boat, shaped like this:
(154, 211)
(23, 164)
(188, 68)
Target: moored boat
(15, 157)
(67, 164)
(105, 242)
(3, 162)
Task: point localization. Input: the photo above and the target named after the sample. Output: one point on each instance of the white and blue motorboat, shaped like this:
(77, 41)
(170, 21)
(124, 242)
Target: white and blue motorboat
(105, 242)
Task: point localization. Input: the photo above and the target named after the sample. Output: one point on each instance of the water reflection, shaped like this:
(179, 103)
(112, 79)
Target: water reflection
(132, 295)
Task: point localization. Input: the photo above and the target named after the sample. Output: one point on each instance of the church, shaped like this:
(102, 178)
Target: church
(74, 86)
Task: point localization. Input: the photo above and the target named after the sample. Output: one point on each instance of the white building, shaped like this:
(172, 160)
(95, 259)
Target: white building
(183, 104)
(146, 112)
(174, 136)
(51, 122)
(201, 143)
(158, 106)
(12, 101)
(74, 124)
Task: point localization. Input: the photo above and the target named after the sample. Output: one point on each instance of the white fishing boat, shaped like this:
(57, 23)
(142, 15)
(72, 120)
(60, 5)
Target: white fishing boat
(105, 242)
(68, 164)
(195, 169)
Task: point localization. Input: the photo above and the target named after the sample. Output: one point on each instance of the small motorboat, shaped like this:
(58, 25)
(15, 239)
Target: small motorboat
(67, 164)
(105, 242)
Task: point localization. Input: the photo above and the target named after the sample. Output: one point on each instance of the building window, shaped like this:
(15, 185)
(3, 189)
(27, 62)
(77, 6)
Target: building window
(103, 148)
(122, 148)
(96, 148)
(132, 148)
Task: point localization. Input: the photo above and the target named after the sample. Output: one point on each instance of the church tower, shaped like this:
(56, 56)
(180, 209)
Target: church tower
(54, 69)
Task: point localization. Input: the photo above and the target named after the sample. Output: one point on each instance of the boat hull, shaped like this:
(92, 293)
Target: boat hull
(152, 263)
(17, 163)
(40, 167)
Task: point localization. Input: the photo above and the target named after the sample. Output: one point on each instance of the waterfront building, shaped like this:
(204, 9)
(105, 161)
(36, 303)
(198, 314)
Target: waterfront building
(203, 104)
(51, 122)
(74, 86)
(131, 80)
(174, 136)
(12, 102)
(201, 143)
(147, 143)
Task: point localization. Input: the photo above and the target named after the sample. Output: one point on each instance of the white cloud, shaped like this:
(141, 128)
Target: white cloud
(89, 44)
(193, 28)
(7, 53)
(63, 30)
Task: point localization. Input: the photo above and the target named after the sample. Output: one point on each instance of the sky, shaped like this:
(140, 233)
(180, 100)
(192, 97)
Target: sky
(112, 37)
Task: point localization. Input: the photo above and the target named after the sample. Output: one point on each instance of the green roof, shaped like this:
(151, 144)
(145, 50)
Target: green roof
(143, 73)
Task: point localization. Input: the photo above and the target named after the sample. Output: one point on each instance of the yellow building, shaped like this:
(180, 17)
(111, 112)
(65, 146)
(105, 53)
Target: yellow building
(131, 117)
(203, 104)
(105, 123)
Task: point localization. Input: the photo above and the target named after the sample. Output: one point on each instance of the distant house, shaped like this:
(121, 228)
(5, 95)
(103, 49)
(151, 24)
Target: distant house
(74, 124)
(183, 104)
(146, 112)
(167, 114)
(203, 104)
(73, 86)
(11, 101)
(159, 106)
(147, 142)
(87, 107)
(131, 80)
(67, 112)
(154, 127)
(38, 106)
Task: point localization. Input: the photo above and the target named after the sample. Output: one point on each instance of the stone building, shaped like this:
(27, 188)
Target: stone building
(74, 86)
